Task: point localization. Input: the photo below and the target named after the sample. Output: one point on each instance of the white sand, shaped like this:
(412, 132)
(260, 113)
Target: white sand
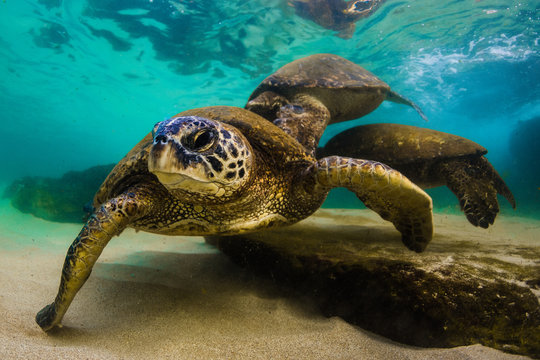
(156, 297)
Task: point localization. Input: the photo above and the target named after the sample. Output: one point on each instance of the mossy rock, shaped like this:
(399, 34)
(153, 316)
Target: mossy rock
(58, 199)
(470, 286)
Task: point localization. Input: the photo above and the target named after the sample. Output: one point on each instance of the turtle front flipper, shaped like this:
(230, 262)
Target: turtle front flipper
(476, 183)
(107, 221)
(267, 104)
(385, 191)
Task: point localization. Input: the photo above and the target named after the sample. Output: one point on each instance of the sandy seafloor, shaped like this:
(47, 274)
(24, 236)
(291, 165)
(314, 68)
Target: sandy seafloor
(159, 297)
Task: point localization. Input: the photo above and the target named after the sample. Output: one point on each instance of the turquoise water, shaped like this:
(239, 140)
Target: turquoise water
(83, 81)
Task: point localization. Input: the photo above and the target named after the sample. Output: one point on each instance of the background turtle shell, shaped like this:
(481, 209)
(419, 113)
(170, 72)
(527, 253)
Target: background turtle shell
(400, 144)
(346, 89)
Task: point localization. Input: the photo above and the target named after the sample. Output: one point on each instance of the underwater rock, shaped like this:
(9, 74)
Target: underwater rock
(338, 15)
(524, 146)
(61, 199)
(469, 286)
(524, 143)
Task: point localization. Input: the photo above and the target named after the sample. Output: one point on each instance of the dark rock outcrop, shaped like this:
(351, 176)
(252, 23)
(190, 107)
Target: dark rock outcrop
(61, 199)
(469, 286)
(524, 165)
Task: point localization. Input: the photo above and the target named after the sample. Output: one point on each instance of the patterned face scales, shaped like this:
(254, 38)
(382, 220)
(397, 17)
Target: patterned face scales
(194, 156)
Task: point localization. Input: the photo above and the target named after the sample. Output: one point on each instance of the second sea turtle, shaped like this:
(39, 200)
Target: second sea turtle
(306, 95)
(338, 15)
(430, 158)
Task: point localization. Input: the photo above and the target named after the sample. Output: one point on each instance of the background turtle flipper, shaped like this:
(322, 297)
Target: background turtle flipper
(304, 118)
(500, 185)
(399, 99)
(476, 183)
(385, 191)
(266, 104)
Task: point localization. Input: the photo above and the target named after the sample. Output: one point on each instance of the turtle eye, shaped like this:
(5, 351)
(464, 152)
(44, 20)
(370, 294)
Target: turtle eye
(202, 140)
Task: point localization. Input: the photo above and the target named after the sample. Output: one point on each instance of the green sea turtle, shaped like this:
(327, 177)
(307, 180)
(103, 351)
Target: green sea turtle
(226, 170)
(430, 158)
(338, 15)
(306, 95)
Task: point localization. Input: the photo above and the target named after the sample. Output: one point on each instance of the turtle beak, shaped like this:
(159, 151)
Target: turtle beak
(161, 153)
(165, 154)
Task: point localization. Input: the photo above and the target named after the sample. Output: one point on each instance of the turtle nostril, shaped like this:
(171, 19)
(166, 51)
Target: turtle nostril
(161, 139)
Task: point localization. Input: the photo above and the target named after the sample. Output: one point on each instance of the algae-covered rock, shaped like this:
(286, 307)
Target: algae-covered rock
(469, 286)
(58, 199)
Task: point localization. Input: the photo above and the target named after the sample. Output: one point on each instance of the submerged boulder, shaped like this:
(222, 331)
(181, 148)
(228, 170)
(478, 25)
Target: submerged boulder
(524, 167)
(524, 145)
(58, 199)
(470, 285)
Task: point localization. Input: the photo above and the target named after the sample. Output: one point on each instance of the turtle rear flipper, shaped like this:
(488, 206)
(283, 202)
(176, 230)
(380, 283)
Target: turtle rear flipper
(399, 99)
(385, 191)
(476, 183)
(501, 186)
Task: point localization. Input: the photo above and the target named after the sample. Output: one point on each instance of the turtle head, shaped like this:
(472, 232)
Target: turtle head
(199, 159)
(360, 7)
